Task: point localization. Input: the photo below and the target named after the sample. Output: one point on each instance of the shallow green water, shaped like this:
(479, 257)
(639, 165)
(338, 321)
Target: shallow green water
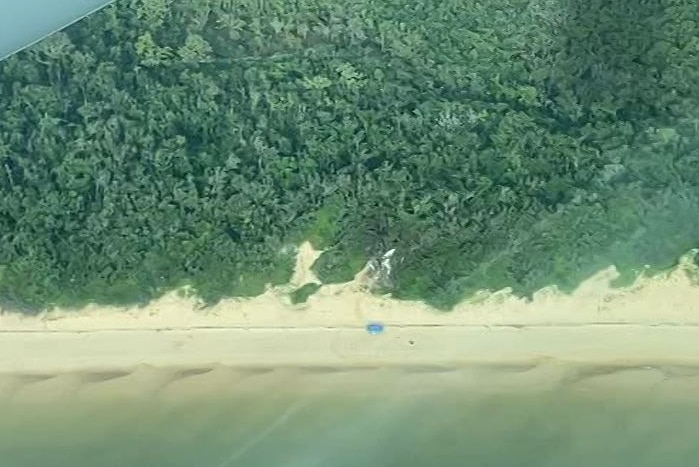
(362, 426)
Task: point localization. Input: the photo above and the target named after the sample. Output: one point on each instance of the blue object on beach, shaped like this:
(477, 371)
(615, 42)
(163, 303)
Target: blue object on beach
(374, 328)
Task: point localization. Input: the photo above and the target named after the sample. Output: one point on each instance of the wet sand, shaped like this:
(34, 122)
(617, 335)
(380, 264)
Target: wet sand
(547, 414)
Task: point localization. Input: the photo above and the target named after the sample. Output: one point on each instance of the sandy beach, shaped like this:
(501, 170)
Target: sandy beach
(656, 320)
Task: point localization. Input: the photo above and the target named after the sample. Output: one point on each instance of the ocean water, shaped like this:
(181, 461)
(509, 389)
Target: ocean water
(417, 417)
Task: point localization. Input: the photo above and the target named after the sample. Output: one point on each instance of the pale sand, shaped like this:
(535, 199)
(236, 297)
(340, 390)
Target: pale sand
(655, 321)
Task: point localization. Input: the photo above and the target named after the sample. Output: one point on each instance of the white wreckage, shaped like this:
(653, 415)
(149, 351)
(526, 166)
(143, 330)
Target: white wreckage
(380, 269)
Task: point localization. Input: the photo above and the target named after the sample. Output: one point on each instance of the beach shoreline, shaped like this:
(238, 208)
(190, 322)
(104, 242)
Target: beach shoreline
(654, 320)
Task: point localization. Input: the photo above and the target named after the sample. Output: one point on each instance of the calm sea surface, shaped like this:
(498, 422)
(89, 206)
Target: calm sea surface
(371, 418)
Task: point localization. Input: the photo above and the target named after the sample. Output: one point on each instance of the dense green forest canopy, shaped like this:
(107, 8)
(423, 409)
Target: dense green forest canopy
(497, 143)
